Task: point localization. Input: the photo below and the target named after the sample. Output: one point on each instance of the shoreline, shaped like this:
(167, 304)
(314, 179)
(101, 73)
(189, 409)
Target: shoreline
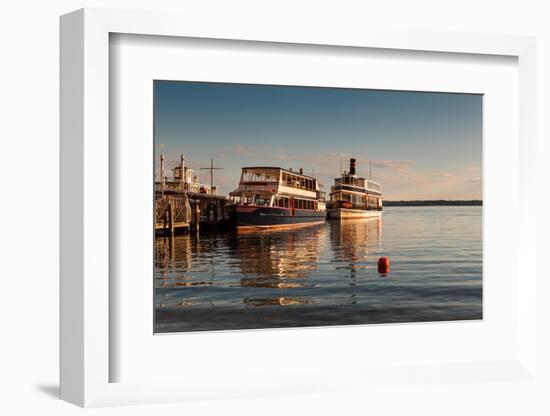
(435, 203)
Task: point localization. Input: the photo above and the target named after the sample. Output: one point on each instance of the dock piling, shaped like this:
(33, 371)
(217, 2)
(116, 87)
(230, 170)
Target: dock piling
(195, 216)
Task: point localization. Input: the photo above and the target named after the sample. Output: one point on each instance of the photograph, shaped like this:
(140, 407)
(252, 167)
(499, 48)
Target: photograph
(281, 206)
(298, 207)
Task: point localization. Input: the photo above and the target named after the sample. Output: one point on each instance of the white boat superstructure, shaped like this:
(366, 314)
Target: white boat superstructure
(277, 197)
(352, 196)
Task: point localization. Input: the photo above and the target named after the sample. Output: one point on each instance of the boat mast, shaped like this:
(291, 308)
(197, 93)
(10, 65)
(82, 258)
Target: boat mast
(211, 169)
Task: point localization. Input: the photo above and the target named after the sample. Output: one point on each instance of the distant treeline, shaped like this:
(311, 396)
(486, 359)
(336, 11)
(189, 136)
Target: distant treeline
(436, 202)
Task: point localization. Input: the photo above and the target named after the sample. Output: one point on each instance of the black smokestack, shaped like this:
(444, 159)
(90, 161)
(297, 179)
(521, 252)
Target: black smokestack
(352, 166)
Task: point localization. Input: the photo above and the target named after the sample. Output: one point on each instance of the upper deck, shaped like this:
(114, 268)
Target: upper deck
(356, 184)
(349, 182)
(279, 181)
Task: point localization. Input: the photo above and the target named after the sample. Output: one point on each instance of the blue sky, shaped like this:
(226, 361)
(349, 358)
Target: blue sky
(421, 145)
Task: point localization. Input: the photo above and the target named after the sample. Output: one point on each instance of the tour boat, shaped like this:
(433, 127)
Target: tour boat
(354, 197)
(273, 197)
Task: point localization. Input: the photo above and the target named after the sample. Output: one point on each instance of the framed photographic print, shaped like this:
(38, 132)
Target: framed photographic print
(259, 224)
(268, 211)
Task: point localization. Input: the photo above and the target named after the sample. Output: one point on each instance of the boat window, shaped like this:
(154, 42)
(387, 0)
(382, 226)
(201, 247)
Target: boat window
(260, 176)
(286, 178)
(281, 202)
(241, 199)
(261, 201)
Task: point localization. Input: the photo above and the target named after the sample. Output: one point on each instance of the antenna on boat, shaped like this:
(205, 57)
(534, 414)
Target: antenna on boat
(370, 169)
(211, 169)
(340, 165)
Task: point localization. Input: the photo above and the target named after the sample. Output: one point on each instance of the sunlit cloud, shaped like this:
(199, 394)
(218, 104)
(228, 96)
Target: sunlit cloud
(474, 181)
(444, 175)
(400, 179)
(397, 165)
(245, 151)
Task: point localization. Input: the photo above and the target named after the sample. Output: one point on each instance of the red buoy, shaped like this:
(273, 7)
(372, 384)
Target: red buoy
(383, 265)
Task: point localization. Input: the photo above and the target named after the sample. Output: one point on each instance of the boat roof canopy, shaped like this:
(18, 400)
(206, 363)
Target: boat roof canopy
(348, 175)
(268, 168)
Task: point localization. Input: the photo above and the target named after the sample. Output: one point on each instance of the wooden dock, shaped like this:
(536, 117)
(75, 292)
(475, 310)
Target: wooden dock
(173, 213)
(181, 211)
(183, 204)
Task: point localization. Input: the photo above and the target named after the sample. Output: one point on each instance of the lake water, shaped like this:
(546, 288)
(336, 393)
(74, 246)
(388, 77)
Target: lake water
(324, 274)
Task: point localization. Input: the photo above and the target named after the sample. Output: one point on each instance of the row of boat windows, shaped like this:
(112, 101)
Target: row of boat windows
(283, 202)
(279, 201)
(350, 180)
(363, 183)
(355, 199)
(298, 182)
(287, 179)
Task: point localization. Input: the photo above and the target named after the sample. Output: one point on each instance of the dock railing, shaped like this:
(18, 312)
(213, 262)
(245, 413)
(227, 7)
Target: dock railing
(172, 213)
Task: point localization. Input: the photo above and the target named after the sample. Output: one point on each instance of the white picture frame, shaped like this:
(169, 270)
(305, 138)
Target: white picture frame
(85, 211)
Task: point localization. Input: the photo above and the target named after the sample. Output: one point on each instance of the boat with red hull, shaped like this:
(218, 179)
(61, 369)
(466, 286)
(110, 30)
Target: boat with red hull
(273, 197)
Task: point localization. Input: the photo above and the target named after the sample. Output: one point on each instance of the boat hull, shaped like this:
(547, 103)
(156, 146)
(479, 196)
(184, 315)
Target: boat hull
(274, 217)
(345, 213)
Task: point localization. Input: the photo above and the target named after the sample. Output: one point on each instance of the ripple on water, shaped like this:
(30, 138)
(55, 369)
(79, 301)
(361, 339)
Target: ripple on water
(325, 274)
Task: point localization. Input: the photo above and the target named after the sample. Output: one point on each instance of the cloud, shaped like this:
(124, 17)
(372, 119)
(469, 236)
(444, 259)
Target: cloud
(245, 151)
(474, 181)
(472, 168)
(320, 161)
(395, 165)
(444, 175)
(335, 159)
(282, 155)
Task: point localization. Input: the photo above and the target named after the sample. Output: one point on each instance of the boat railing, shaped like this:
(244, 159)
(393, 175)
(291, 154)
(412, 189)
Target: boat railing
(374, 186)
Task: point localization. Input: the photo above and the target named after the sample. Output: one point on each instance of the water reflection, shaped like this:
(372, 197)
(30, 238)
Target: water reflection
(276, 259)
(352, 242)
(280, 301)
(322, 274)
(174, 251)
(266, 259)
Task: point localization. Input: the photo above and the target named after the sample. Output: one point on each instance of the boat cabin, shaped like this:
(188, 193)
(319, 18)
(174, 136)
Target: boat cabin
(352, 191)
(278, 187)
